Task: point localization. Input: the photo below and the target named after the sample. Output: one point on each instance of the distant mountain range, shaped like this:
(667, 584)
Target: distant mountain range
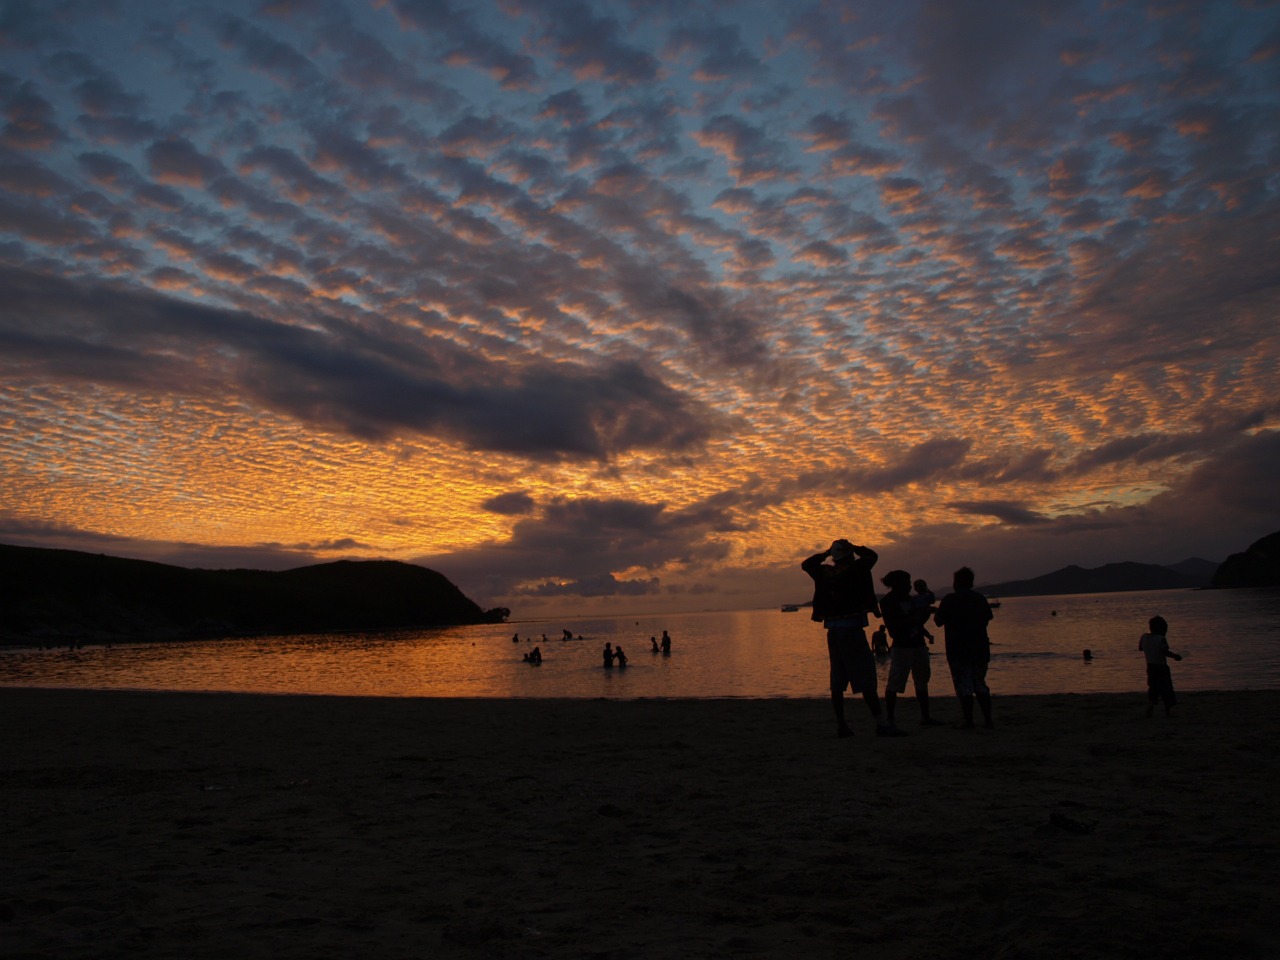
(1112, 577)
(56, 595)
(1259, 566)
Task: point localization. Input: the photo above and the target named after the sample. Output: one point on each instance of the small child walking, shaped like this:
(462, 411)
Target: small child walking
(1159, 680)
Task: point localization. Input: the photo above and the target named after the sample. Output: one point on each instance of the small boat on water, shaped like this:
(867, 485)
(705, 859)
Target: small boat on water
(790, 607)
(993, 603)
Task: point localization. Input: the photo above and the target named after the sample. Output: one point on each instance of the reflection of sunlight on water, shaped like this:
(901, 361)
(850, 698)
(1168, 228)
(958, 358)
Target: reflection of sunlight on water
(1230, 640)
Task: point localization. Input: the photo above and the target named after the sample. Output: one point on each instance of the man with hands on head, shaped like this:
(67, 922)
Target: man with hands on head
(843, 594)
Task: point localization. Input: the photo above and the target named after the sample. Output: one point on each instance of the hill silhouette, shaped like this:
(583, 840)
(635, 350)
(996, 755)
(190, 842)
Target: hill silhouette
(56, 595)
(1259, 566)
(1109, 578)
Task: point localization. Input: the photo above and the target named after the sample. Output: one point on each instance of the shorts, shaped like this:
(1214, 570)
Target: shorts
(852, 664)
(969, 673)
(909, 662)
(1160, 684)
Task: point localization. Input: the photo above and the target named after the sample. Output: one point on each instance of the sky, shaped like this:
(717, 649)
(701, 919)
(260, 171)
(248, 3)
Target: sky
(631, 306)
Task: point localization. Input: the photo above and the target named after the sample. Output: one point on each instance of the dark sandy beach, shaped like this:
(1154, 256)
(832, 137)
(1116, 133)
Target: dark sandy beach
(212, 825)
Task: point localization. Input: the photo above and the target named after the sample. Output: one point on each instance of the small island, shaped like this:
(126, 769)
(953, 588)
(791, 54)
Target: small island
(65, 595)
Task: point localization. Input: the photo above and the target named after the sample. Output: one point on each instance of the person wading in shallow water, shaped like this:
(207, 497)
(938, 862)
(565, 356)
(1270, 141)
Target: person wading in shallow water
(843, 595)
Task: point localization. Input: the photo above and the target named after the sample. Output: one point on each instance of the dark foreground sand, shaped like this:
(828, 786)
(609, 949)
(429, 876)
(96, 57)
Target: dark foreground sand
(172, 825)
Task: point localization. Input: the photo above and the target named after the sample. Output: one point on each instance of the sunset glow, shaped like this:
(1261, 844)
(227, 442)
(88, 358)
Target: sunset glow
(631, 306)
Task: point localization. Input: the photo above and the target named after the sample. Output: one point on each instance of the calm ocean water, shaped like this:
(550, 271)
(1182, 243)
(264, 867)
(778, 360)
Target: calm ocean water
(1230, 640)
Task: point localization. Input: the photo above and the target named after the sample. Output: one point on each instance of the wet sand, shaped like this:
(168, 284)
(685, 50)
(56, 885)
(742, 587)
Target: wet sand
(220, 825)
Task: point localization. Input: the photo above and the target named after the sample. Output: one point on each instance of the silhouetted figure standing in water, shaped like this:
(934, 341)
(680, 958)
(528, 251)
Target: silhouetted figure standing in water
(1155, 647)
(880, 641)
(964, 614)
(843, 595)
(620, 656)
(666, 643)
(608, 656)
(910, 654)
(653, 643)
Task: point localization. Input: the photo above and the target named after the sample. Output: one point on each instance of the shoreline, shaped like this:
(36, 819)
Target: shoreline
(158, 823)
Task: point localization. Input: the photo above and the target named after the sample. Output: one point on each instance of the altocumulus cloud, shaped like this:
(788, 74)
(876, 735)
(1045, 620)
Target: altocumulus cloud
(342, 379)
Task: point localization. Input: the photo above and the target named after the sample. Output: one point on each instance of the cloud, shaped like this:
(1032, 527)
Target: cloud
(177, 162)
(31, 119)
(922, 461)
(753, 156)
(1012, 514)
(514, 504)
(582, 546)
(592, 46)
(540, 410)
(453, 29)
(720, 51)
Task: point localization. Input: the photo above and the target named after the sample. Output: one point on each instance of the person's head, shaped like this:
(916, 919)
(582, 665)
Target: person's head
(1158, 626)
(897, 580)
(921, 587)
(962, 579)
(841, 550)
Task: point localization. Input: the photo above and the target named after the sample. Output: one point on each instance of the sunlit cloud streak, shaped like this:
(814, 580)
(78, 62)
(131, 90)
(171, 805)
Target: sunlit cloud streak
(589, 300)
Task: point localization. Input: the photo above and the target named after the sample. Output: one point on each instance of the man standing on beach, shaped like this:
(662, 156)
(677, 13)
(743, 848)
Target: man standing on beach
(843, 595)
(964, 614)
(910, 655)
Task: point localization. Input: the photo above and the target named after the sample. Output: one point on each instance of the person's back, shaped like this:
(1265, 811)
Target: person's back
(903, 627)
(964, 616)
(845, 589)
(1155, 647)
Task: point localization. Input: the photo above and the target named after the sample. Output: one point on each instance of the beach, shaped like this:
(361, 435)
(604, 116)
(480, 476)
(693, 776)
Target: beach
(142, 824)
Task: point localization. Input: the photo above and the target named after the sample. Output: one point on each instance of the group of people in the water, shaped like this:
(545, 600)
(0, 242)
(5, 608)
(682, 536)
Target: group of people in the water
(612, 656)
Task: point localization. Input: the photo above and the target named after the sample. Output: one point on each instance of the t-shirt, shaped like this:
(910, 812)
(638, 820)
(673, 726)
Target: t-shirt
(844, 591)
(1154, 647)
(900, 619)
(965, 615)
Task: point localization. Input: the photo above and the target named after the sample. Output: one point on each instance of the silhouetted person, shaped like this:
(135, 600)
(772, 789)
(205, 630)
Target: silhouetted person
(653, 643)
(620, 656)
(1088, 655)
(843, 595)
(515, 638)
(964, 614)
(666, 642)
(1155, 647)
(535, 655)
(608, 656)
(910, 654)
(880, 641)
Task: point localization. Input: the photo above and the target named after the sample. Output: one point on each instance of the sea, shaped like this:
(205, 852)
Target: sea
(1229, 639)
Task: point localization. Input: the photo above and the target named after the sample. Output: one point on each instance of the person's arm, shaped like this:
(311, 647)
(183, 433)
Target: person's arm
(940, 617)
(811, 565)
(867, 554)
